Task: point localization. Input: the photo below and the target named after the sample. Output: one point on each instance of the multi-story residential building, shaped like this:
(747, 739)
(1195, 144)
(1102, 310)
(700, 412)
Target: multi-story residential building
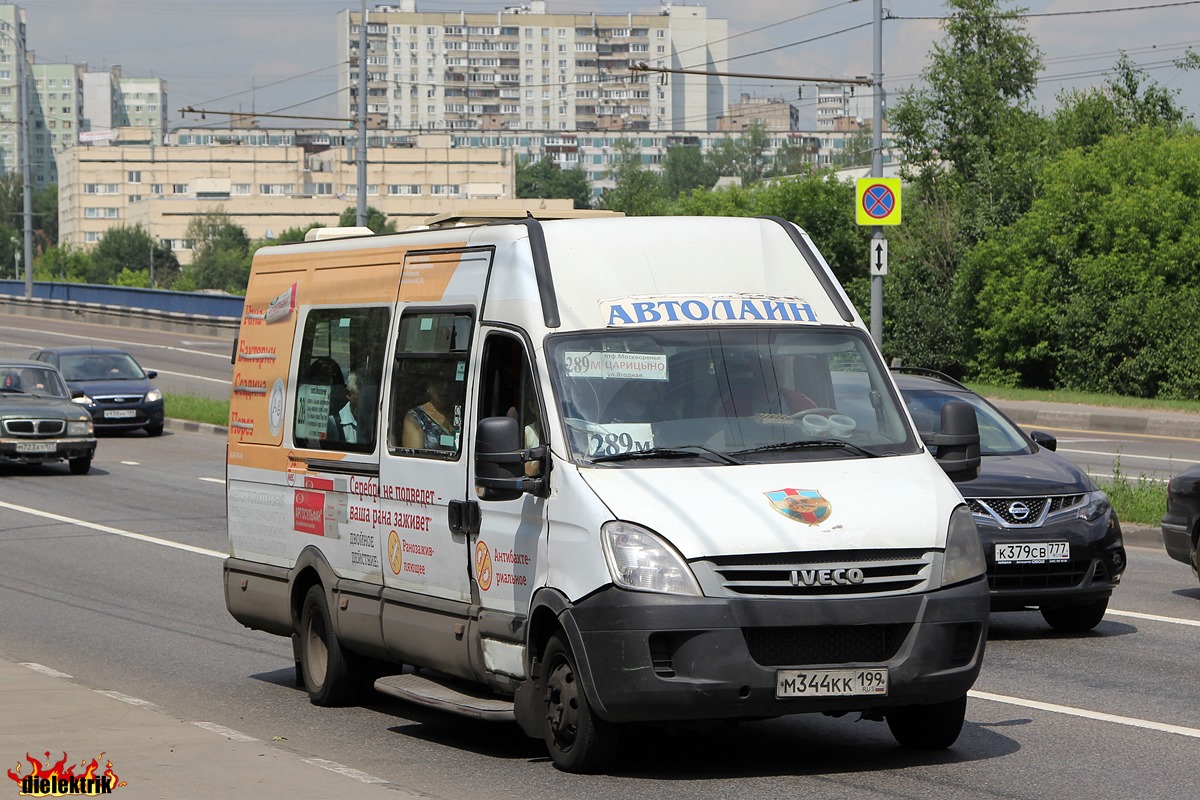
(269, 181)
(112, 100)
(524, 68)
(773, 113)
(55, 117)
(833, 104)
(13, 58)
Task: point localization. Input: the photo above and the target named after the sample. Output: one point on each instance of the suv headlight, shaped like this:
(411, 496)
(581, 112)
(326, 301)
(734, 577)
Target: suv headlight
(82, 400)
(963, 559)
(642, 561)
(79, 428)
(1095, 505)
(153, 396)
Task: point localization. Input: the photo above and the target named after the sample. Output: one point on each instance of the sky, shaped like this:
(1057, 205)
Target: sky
(279, 56)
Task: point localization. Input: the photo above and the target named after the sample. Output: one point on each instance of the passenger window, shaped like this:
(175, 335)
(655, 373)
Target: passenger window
(429, 384)
(338, 377)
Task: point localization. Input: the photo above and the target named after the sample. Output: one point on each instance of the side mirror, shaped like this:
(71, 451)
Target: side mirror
(500, 461)
(958, 442)
(1046, 440)
(151, 374)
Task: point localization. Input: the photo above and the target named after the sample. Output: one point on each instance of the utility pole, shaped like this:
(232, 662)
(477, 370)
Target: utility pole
(362, 117)
(877, 169)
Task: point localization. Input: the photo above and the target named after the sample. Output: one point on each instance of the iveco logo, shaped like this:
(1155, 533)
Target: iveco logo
(827, 577)
(1019, 511)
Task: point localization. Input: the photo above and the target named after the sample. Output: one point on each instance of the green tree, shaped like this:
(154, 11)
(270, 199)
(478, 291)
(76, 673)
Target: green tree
(1127, 100)
(637, 191)
(220, 254)
(685, 169)
(856, 149)
(545, 178)
(1075, 295)
(377, 221)
(120, 246)
(61, 263)
(744, 156)
(793, 157)
(971, 128)
(45, 215)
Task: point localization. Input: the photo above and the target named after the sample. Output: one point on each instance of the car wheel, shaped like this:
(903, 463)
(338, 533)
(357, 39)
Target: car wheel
(578, 740)
(154, 430)
(929, 727)
(1075, 618)
(80, 466)
(328, 673)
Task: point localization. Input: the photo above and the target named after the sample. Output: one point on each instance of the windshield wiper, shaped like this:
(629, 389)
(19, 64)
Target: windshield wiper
(804, 444)
(10, 390)
(681, 451)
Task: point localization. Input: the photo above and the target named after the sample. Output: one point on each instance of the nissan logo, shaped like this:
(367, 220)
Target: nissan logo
(828, 577)
(1019, 511)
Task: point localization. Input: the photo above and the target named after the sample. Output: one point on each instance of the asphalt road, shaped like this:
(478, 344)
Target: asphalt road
(1108, 714)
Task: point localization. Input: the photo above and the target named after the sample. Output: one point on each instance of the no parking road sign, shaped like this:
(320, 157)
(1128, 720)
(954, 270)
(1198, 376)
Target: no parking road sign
(878, 201)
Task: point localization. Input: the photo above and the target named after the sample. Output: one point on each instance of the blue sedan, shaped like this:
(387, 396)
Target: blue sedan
(117, 392)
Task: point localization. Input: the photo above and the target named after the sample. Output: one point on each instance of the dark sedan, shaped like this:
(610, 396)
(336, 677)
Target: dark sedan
(117, 391)
(1051, 537)
(1181, 525)
(38, 421)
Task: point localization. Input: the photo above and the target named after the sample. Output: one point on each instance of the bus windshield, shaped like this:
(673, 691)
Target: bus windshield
(741, 394)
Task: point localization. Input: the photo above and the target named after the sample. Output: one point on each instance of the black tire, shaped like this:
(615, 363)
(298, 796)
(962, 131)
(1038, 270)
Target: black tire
(80, 466)
(154, 430)
(931, 727)
(1075, 618)
(578, 740)
(327, 669)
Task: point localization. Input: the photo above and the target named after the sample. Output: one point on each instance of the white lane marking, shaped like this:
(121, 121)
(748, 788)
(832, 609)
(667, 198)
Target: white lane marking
(1108, 476)
(42, 668)
(1124, 456)
(228, 733)
(1099, 716)
(189, 376)
(141, 537)
(342, 769)
(124, 698)
(1153, 617)
(132, 463)
(213, 480)
(126, 344)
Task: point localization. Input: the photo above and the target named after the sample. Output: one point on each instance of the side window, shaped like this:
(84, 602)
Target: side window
(429, 384)
(338, 377)
(508, 388)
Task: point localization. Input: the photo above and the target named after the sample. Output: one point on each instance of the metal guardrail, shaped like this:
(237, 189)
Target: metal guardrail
(155, 309)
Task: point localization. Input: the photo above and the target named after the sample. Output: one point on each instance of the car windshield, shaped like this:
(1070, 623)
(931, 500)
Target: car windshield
(44, 381)
(997, 436)
(684, 396)
(101, 367)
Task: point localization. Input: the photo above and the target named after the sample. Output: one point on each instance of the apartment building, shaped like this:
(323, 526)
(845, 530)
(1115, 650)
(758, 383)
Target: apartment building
(526, 68)
(267, 182)
(13, 58)
(773, 113)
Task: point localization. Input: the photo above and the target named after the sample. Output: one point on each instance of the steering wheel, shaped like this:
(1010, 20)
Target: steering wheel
(817, 410)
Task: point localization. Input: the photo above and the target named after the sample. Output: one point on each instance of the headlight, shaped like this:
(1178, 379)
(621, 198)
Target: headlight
(82, 400)
(1095, 506)
(964, 555)
(79, 428)
(640, 560)
(153, 396)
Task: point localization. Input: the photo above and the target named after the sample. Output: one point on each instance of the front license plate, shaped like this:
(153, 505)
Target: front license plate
(120, 413)
(37, 447)
(831, 682)
(1032, 552)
